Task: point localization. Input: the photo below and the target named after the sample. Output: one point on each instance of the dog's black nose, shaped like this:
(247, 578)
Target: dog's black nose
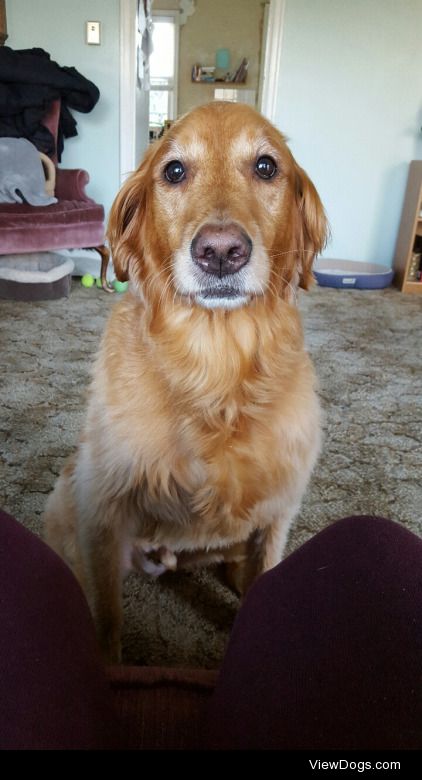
(221, 249)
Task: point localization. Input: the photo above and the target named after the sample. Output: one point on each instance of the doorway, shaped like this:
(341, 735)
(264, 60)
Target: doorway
(134, 105)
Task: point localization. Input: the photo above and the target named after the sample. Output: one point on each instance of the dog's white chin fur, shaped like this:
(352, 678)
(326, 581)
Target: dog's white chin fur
(222, 303)
(249, 282)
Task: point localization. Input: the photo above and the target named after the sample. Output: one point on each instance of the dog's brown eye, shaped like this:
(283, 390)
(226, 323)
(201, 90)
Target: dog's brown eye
(265, 167)
(174, 172)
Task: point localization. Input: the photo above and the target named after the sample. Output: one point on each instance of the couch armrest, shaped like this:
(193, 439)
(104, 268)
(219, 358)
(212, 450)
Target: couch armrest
(70, 184)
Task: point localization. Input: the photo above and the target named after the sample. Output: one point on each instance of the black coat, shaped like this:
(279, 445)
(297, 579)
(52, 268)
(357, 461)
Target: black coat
(29, 82)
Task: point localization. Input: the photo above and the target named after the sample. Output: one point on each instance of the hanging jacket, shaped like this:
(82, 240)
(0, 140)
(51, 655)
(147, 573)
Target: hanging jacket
(29, 82)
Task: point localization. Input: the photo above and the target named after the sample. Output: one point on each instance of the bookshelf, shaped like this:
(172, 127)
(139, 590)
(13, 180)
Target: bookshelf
(408, 254)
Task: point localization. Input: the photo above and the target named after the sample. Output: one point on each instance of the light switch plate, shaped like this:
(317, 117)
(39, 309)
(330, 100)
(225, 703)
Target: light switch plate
(93, 32)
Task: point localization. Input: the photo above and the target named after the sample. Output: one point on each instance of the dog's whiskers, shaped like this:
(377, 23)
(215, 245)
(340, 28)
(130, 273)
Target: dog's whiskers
(154, 275)
(289, 251)
(289, 285)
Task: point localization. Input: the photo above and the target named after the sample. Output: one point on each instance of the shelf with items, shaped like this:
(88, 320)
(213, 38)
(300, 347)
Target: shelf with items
(224, 84)
(209, 74)
(408, 254)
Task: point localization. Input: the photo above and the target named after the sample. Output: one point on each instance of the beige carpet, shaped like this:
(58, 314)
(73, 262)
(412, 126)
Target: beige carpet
(367, 351)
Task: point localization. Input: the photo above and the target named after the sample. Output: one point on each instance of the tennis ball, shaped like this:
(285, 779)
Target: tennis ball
(120, 286)
(98, 282)
(87, 280)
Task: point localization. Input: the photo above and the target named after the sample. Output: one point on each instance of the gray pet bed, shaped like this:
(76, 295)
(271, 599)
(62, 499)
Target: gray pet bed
(35, 277)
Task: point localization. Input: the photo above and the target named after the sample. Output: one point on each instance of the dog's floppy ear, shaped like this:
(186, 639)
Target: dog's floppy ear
(127, 217)
(312, 226)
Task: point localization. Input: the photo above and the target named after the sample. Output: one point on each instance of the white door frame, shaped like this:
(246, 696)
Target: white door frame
(272, 59)
(128, 70)
(128, 32)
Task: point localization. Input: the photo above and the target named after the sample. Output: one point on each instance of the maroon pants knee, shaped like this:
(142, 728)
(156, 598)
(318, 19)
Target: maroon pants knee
(53, 691)
(326, 650)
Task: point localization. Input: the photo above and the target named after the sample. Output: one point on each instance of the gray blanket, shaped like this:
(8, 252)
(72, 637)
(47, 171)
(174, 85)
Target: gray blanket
(22, 177)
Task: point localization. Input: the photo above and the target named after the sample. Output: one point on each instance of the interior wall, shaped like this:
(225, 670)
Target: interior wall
(350, 101)
(58, 26)
(222, 24)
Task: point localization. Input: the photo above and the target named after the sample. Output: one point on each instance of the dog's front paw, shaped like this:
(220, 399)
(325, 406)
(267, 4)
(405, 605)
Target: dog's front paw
(153, 560)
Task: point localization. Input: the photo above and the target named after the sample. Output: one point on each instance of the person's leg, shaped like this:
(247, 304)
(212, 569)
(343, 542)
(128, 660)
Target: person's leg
(326, 651)
(53, 690)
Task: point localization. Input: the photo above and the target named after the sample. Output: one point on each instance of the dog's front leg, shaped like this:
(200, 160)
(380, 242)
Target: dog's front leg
(101, 557)
(268, 545)
(263, 550)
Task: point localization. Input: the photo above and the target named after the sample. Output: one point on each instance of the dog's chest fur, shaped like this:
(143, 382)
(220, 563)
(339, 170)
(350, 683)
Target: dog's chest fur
(204, 439)
(211, 493)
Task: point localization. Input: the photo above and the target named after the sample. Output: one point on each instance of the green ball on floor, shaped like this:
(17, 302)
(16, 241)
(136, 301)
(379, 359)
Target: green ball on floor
(87, 280)
(120, 286)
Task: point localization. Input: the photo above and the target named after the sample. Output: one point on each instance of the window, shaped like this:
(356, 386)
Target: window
(163, 69)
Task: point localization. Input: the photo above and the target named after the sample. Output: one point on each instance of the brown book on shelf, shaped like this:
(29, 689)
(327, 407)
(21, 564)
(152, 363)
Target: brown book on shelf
(240, 75)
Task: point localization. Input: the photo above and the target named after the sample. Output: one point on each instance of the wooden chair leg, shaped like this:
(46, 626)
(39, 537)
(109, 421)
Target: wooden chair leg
(105, 258)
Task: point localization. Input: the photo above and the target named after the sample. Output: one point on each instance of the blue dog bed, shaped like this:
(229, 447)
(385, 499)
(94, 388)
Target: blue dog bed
(350, 274)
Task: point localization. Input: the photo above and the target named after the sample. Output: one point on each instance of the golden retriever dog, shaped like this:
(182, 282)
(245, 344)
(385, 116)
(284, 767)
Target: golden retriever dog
(203, 423)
